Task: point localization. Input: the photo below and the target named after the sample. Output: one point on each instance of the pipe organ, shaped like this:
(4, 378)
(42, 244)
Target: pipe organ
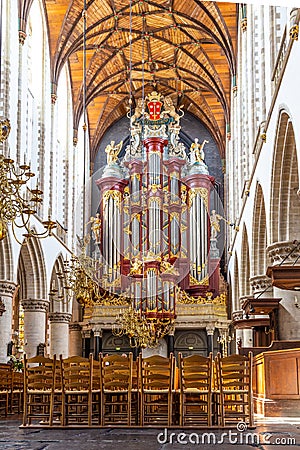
(154, 212)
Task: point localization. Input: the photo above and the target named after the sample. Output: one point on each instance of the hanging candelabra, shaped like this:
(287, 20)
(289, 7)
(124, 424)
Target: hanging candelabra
(17, 201)
(141, 330)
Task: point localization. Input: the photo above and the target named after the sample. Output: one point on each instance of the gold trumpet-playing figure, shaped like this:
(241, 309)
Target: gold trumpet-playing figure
(197, 149)
(112, 150)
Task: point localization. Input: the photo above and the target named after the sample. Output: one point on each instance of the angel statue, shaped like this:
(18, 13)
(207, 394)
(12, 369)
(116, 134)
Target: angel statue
(215, 224)
(137, 267)
(96, 227)
(197, 150)
(112, 150)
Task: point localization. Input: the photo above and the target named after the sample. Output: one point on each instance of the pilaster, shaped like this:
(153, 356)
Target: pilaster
(7, 289)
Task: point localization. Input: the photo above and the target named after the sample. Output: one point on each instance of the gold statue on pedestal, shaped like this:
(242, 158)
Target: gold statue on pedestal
(197, 150)
(112, 150)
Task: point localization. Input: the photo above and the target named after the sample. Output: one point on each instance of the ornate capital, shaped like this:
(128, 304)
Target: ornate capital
(97, 330)
(74, 326)
(237, 315)
(31, 304)
(284, 252)
(7, 288)
(260, 283)
(210, 329)
(60, 317)
(22, 37)
(244, 24)
(294, 32)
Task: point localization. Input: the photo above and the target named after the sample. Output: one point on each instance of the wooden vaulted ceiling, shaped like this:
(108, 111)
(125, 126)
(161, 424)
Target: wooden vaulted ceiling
(181, 47)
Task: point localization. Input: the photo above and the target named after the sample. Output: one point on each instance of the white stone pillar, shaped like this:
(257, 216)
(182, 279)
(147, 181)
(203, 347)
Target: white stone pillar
(210, 331)
(288, 314)
(34, 324)
(75, 339)
(59, 333)
(247, 339)
(7, 289)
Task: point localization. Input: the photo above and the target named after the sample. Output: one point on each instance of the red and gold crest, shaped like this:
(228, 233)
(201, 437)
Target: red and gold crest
(154, 105)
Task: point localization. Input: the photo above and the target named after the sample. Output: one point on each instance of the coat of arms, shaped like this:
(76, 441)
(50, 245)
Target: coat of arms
(154, 105)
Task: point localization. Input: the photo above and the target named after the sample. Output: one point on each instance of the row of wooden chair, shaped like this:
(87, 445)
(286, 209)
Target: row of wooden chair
(116, 391)
(11, 390)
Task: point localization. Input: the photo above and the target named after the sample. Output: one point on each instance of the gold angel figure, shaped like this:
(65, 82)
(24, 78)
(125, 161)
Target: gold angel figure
(137, 267)
(198, 150)
(112, 150)
(96, 227)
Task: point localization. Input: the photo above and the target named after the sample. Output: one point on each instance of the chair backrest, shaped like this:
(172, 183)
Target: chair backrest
(195, 372)
(116, 372)
(5, 377)
(77, 373)
(234, 372)
(156, 372)
(39, 373)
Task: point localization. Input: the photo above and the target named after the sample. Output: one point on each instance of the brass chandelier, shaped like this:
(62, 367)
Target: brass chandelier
(17, 201)
(141, 330)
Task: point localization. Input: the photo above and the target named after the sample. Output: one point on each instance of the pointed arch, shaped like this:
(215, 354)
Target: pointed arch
(284, 206)
(32, 271)
(245, 265)
(236, 287)
(259, 234)
(59, 300)
(6, 260)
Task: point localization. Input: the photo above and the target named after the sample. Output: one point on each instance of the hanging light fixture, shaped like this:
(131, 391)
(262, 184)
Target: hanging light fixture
(17, 201)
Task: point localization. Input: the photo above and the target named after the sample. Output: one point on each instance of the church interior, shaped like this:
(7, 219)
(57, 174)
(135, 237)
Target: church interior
(149, 212)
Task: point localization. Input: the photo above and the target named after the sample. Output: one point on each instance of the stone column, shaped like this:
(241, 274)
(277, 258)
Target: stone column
(247, 337)
(86, 343)
(7, 289)
(59, 333)
(170, 343)
(97, 342)
(34, 324)
(210, 330)
(75, 339)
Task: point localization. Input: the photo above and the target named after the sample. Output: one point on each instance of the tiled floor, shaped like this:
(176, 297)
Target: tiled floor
(270, 433)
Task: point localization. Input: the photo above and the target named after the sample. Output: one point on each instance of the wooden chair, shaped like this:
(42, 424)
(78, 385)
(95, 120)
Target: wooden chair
(5, 387)
(116, 387)
(96, 393)
(77, 390)
(234, 385)
(16, 393)
(156, 389)
(195, 390)
(39, 382)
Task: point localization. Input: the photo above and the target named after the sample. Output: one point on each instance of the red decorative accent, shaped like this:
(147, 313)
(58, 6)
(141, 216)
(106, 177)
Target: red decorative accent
(154, 108)
(155, 144)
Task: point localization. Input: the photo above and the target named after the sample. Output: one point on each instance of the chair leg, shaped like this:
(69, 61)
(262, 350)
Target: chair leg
(90, 406)
(25, 411)
(181, 409)
(169, 409)
(63, 409)
(129, 409)
(209, 409)
(102, 409)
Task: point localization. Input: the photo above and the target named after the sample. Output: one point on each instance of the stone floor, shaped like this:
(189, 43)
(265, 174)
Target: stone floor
(276, 433)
